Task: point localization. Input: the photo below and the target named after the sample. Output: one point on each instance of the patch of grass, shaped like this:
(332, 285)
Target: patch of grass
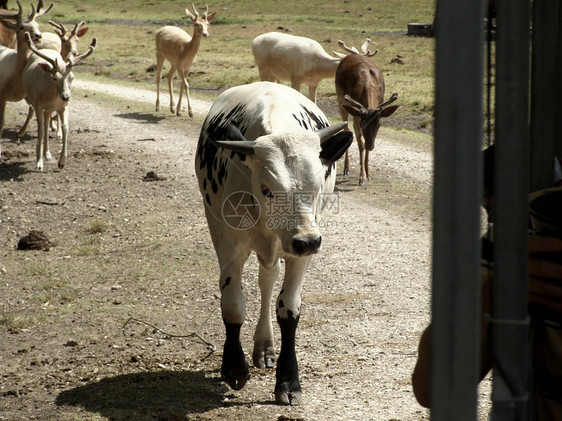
(15, 321)
(89, 247)
(39, 269)
(54, 283)
(45, 298)
(69, 294)
(97, 227)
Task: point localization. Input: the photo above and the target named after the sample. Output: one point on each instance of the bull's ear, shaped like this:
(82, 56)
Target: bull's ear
(334, 147)
(234, 132)
(236, 141)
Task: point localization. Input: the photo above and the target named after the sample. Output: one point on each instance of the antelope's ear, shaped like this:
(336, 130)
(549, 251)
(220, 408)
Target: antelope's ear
(212, 16)
(8, 24)
(82, 31)
(45, 66)
(388, 111)
(354, 111)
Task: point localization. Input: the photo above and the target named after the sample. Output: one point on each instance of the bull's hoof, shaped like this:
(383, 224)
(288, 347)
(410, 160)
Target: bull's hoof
(234, 370)
(288, 393)
(264, 355)
(345, 172)
(236, 377)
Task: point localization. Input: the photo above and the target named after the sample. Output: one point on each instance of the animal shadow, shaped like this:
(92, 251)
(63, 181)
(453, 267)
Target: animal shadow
(146, 118)
(12, 171)
(148, 395)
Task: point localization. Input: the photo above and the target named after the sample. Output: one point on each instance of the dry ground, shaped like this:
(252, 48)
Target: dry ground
(130, 246)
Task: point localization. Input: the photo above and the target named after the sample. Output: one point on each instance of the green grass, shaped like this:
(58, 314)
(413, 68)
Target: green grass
(13, 321)
(97, 227)
(126, 49)
(90, 246)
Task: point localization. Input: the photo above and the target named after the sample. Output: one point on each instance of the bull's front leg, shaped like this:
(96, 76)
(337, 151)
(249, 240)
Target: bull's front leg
(264, 352)
(234, 370)
(287, 387)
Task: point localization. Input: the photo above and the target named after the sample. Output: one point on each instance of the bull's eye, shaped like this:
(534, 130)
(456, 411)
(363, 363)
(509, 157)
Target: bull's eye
(267, 192)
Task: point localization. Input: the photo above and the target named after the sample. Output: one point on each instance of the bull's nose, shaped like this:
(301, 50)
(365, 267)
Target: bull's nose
(307, 246)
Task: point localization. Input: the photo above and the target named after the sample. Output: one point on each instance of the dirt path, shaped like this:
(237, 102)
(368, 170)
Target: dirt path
(365, 300)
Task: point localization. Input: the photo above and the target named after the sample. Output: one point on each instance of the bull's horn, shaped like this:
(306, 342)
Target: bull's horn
(241, 146)
(327, 132)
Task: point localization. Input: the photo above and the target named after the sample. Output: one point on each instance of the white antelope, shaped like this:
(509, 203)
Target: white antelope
(47, 79)
(12, 62)
(293, 58)
(8, 36)
(180, 49)
(64, 42)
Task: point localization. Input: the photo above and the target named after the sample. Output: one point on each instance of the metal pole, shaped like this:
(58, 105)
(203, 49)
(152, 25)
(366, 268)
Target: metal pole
(546, 92)
(509, 321)
(456, 214)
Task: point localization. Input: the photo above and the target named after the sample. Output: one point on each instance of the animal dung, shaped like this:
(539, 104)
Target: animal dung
(35, 240)
(152, 176)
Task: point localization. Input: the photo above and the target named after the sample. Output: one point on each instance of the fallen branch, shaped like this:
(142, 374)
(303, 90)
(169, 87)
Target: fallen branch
(50, 203)
(211, 346)
(63, 201)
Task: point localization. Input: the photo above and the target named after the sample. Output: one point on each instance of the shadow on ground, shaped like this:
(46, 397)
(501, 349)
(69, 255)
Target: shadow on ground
(12, 171)
(149, 395)
(146, 118)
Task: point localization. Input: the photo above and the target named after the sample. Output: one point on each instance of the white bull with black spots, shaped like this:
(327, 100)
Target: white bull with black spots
(263, 145)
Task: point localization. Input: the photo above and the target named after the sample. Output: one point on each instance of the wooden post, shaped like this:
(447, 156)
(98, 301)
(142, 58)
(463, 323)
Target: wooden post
(456, 213)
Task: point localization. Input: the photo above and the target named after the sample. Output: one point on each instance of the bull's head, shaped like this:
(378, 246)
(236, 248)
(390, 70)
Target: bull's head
(289, 173)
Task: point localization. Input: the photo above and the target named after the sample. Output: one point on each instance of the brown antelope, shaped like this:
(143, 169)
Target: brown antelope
(180, 49)
(360, 92)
